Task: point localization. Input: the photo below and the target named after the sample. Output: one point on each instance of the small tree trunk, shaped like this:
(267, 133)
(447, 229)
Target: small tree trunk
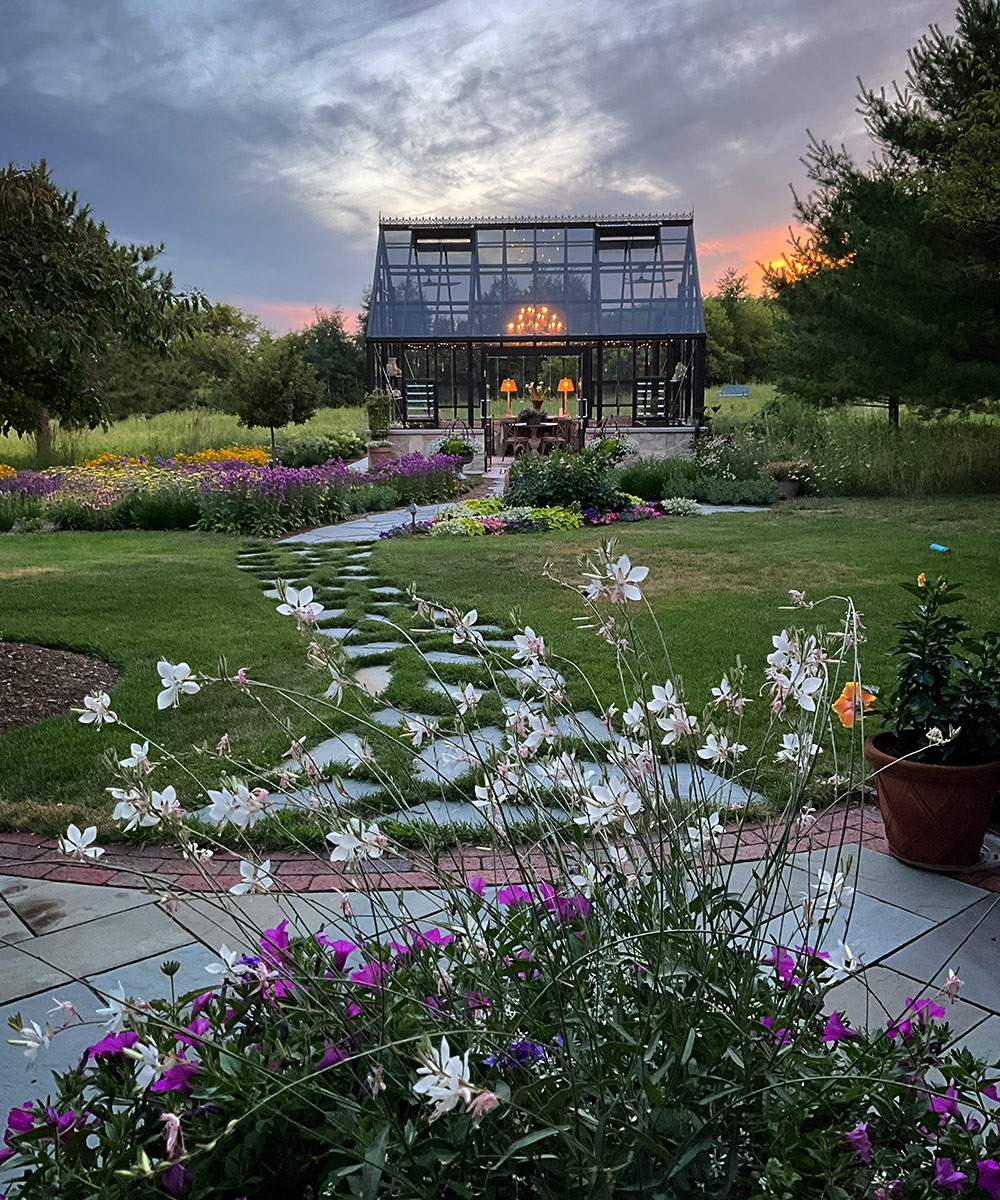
(272, 442)
(894, 411)
(43, 437)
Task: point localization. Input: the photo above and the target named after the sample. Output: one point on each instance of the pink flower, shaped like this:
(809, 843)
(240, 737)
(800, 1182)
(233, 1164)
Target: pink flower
(989, 1177)
(781, 959)
(857, 1138)
(112, 1043)
(477, 884)
(177, 1078)
(946, 1105)
(947, 1177)
(781, 1036)
(835, 1030)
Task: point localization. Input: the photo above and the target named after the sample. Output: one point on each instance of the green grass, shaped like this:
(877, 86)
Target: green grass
(717, 586)
(187, 431)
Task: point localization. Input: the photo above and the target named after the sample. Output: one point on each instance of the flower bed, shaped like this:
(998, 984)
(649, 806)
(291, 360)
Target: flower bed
(235, 490)
(473, 518)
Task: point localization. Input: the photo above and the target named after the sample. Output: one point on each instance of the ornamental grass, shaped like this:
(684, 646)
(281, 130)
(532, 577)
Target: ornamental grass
(631, 1013)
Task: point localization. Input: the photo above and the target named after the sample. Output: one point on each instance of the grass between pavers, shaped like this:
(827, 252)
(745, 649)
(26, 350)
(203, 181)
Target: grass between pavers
(716, 585)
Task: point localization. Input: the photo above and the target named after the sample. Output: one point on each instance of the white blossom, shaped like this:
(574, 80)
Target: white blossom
(619, 581)
(464, 628)
(139, 758)
(707, 834)
(97, 710)
(175, 682)
(607, 804)
(80, 845)
(634, 716)
(719, 749)
(663, 698)
(724, 694)
(356, 842)
(300, 605)
(826, 894)
(468, 699)
(240, 807)
(530, 645)
(444, 1080)
(148, 1066)
(228, 966)
(254, 878)
(416, 728)
(676, 724)
(33, 1039)
(798, 749)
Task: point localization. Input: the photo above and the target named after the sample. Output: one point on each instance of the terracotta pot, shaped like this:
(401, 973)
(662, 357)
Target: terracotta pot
(788, 489)
(537, 405)
(935, 816)
(381, 454)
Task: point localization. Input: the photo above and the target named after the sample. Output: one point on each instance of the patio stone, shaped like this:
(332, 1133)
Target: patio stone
(447, 812)
(451, 656)
(78, 950)
(385, 590)
(394, 716)
(335, 631)
(449, 759)
(12, 928)
(45, 906)
(364, 650)
(374, 680)
(341, 748)
(968, 942)
(877, 994)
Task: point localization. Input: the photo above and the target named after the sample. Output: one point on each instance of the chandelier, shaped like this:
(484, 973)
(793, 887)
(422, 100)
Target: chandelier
(533, 318)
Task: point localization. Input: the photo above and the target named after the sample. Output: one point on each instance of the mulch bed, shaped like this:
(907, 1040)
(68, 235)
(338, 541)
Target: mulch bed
(38, 682)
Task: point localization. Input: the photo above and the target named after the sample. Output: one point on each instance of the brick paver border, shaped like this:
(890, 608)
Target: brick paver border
(31, 856)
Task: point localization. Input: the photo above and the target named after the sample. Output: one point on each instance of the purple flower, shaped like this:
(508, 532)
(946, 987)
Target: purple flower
(113, 1043)
(513, 895)
(989, 1176)
(893, 1190)
(945, 1175)
(200, 1002)
(781, 1036)
(991, 1090)
(477, 884)
(197, 1027)
(785, 964)
(22, 1119)
(332, 1054)
(274, 943)
(370, 975)
(835, 1030)
(342, 949)
(177, 1078)
(926, 1010)
(857, 1138)
(177, 1180)
(946, 1105)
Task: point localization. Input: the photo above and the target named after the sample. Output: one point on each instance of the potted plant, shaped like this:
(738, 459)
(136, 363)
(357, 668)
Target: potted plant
(538, 394)
(791, 476)
(380, 406)
(456, 444)
(938, 763)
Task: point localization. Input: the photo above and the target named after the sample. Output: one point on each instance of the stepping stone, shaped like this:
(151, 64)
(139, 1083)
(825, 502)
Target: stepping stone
(363, 651)
(332, 612)
(341, 748)
(359, 555)
(449, 656)
(500, 643)
(358, 569)
(447, 812)
(335, 631)
(272, 594)
(452, 758)
(387, 591)
(374, 680)
(394, 716)
(328, 793)
(593, 729)
(358, 578)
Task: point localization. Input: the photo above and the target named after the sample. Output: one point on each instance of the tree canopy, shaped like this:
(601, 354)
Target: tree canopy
(68, 292)
(741, 332)
(273, 387)
(336, 358)
(893, 292)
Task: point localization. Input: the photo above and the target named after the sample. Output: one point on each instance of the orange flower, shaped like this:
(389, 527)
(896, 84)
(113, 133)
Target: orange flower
(921, 579)
(851, 703)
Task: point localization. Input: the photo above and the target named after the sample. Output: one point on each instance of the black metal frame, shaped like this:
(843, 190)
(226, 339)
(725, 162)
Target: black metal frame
(641, 351)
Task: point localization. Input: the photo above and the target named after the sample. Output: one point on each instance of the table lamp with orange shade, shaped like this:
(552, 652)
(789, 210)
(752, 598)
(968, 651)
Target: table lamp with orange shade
(565, 387)
(508, 386)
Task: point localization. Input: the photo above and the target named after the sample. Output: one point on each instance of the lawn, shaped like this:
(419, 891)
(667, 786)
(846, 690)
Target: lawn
(716, 585)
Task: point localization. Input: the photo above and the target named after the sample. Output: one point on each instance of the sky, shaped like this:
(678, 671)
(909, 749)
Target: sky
(260, 139)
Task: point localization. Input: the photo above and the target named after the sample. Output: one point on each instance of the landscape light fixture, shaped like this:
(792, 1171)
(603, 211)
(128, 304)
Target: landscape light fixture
(413, 515)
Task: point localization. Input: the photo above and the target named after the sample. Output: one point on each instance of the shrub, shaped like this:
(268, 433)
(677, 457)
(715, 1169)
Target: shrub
(648, 477)
(678, 506)
(16, 507)
(173, 506)
(78, 515)
(380, 407)
(312, 450)
(735, 491)
(587, 479)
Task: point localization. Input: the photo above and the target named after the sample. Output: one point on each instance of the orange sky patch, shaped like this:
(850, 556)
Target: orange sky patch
(284, 316)
(743, 250)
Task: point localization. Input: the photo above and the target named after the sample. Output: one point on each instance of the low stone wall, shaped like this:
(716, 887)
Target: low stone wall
(675, 440)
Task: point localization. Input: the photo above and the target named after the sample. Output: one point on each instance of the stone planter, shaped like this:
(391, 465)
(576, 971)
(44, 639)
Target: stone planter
(935, 816)
(381, 454)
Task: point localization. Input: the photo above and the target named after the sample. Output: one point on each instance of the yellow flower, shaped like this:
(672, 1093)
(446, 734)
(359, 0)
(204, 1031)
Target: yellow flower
(851, 703)
(7, 472)
(921, 579)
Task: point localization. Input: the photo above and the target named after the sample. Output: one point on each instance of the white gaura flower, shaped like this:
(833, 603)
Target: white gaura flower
(619, 581)
(444, 1080)
(608, 804)
(133, 808)
(467, 699)
(80, 845)
(634, 716)
(139, 758)
(797, 683)
(254, 878)
(464, 630)
(33, 1039)
(724, 694)
(588, 876)
(356, 842)
(492, 795)
(798, 749)
(416, 730)
(228, 965)
(719, 749)
(841, 962)
(240, 807)
(706, 835)
(676, 724)
(952, 985)
(300, 605)
(97, 710)
(663, 698)
(530, 645)
(544, 678)
(784, 647)
(175, 681)
(540, 729)
(826, 894)
(116, 1011)
(148, 1066)
(338, 682)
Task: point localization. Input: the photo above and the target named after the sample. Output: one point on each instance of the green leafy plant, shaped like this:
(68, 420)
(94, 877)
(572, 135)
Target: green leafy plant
(946, 701)
(312, 450)
(380, 407)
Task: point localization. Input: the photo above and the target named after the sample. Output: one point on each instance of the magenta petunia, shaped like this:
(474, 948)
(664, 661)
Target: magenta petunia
(332, 1054)
(477, 884)
(835, 1030)
(513, 895)
(926, 1010)
(342, 949)
(785, 964)
(200, 1002)
(195, 1029)
(859, 1141)
(22, 1118)
(177, 1078)
(988, 1176)
(946, 1105)
(947, 1176)
(274, 943)
(370, 975)
(781, 1036)
(113, 1043)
